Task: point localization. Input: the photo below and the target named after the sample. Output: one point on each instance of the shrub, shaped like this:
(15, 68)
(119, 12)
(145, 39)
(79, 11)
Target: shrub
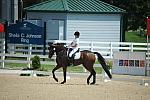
(36, 62)
(109, 64)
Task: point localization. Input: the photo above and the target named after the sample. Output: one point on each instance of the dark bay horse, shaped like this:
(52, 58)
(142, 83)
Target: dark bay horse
(87, 59)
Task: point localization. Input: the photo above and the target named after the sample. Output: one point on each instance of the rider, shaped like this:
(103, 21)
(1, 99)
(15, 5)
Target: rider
(73, 47)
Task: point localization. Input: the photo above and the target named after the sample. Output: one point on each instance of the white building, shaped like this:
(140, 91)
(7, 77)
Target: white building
(94, 19)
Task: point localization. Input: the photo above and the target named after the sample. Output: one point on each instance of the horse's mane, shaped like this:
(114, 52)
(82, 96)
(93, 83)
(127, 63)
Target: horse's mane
(61, 45)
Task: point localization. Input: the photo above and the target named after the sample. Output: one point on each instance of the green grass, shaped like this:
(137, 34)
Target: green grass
(135, 37)
(45, 67)
(15, 65)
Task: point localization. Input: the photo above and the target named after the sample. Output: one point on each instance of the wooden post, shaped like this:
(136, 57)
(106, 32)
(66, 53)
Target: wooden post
(30, 55)
(131, 47)
(6, 34)
(91, 45)
(148, 63)
(3, 57)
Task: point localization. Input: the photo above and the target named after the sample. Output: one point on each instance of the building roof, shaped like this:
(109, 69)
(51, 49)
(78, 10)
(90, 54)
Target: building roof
(75, 6)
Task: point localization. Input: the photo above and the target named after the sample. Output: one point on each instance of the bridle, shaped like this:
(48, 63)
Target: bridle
(54, 49)
(51, 51)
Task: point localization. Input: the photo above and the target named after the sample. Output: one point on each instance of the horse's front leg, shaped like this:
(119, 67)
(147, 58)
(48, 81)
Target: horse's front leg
(64, 72)
(53, 72)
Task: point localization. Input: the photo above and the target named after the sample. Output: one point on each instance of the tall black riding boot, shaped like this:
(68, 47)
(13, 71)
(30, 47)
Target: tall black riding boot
(71, 59)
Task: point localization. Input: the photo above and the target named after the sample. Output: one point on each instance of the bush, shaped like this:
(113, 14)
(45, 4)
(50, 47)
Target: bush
(36, 62)
(109, 64)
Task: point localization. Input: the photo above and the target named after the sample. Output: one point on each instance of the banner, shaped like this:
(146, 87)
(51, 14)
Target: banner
(148, 26)
(25, 33)
(1, 28)
(126, 62)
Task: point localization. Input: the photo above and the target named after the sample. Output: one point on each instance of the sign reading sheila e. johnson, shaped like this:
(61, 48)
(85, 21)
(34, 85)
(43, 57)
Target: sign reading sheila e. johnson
(25, 33)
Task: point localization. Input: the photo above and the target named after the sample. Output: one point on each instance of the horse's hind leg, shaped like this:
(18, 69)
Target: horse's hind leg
(88, 79)
(94, 77)
(53, 72)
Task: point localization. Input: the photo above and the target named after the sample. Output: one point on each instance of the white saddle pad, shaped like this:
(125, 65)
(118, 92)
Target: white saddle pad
(77, 55)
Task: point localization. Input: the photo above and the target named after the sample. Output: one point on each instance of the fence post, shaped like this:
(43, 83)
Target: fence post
(91, 45)
(3, 55)
(148, 58)
(111, 50)
(29, 55)
(131, 47)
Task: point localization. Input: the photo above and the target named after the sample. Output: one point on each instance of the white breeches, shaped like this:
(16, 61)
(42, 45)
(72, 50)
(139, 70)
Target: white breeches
(72, 52)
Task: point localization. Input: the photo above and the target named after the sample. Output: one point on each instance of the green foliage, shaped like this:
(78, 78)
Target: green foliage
(134, 37)
(36, 62)
(137, 11)
(109, 64)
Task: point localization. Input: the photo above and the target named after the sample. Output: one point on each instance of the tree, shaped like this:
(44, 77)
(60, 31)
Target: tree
(31, 2)
(137, 11)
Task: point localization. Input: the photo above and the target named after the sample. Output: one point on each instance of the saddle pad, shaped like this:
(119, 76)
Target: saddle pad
(77, 55)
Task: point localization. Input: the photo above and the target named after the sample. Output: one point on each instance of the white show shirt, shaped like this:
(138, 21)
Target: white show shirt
(74, 43)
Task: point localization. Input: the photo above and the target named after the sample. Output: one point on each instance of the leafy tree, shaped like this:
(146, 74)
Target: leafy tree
(137, 11)
(31, 2)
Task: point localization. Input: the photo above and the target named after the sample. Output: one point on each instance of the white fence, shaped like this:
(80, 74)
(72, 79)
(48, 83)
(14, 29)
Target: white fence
(22, 53)
(107, 48)
(28, 51)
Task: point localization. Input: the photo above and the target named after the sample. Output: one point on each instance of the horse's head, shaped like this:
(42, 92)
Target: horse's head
(55, 48)
(51, 49)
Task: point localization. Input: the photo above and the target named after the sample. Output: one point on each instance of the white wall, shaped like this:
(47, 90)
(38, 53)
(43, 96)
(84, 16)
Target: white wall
(94, 27)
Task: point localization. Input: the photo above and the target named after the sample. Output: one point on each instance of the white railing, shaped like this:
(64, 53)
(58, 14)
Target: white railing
(22, 54)
(107, 48)
(28, 51)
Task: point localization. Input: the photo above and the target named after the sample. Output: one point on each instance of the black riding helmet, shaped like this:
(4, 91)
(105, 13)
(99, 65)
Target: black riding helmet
(77, 33)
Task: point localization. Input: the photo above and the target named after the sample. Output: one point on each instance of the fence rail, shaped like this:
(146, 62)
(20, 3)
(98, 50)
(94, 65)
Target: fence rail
(105, 48)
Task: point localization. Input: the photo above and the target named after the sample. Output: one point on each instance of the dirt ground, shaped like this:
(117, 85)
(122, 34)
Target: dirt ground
(15, 87)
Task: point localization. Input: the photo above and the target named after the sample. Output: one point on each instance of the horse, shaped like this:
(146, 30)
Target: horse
(87, 59)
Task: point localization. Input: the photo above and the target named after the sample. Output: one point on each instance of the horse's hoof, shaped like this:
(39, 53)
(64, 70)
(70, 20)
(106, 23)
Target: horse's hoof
(88, 83)
(92, 83)
(63, 82)
(56, 79)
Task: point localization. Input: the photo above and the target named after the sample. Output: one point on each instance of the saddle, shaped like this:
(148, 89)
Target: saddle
(75, 56)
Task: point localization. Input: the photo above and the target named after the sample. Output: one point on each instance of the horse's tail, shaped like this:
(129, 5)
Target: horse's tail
(101, 60)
